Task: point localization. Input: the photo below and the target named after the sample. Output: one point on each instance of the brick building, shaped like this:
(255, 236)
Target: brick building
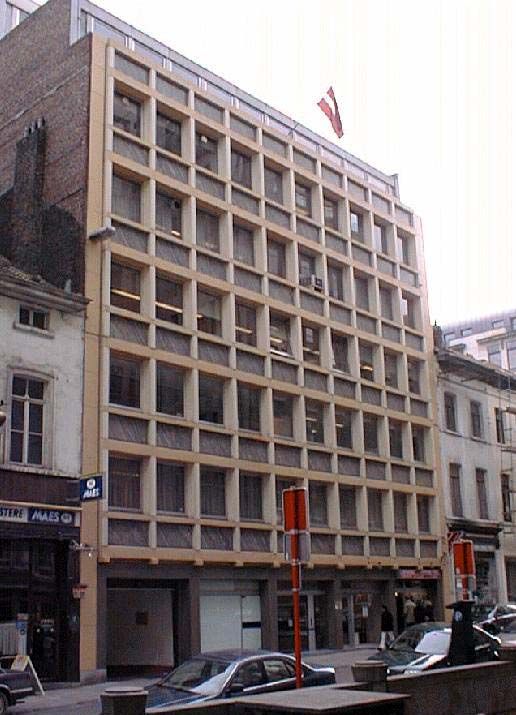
(258, 319)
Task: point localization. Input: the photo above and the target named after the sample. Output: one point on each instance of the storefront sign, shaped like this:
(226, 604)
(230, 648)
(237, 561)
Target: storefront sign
(51, 516)
(91, 487)
(415, 575)
(35, 515)
(13, 513)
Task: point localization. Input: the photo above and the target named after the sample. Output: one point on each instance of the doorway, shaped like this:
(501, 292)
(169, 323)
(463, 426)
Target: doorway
(313, 618)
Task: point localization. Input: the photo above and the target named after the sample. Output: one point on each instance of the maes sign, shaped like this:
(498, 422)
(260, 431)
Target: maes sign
(91, 487)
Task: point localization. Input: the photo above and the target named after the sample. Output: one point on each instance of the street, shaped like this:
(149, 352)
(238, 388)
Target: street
(85, 700)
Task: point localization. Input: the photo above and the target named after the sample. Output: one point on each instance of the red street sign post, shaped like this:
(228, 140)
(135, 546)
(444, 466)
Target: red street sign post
(296, 551)
(464, 569)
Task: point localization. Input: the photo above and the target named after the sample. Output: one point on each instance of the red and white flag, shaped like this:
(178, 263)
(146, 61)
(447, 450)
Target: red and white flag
(332, 114)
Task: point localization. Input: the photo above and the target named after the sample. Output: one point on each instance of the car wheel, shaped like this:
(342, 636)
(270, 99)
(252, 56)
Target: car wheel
(4, 703)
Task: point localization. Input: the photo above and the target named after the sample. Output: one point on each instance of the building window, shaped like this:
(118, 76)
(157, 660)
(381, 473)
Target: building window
(366, 355)
(390, 363)
(511, 355)
(273, 185)
(455, 490)
(400, 512)
(477, 427)
(169, 300)
(480, 479)
(362, 292)
(211, 399)
(318, 503)
(279, 328)
(127, 114)
(375, 509)
(500, 426)
(370, 433)
(243, 245)
(450, 411)
(251, 497)
(331, 213)
(344, 427)
(209, 312)
(276, 258)
(124, 490)
(335, 282)
(213, 492)
(124, 381)
(418, 443)
(314, 421)
(241, 169)
(207, 233)
(283, 410)
(380, 238)
(311, 347)
(348, 507)
(126, 198)
(168, 134)
(170, 488)
(206, 152)
(423, 513)
(339, 345)
(413, 374)
(405, 248)
(169, 389)
(386, 303)
(494, 354)
(409, 310)
(27, 404)
(168, 214)
(466, 331)
(125, 287)
(498, 324)
(506, 497)
(396, 438)
(306, 267)
(249, 407)
(357, 226)
(33, 317)
(245, 324)
(303, 199)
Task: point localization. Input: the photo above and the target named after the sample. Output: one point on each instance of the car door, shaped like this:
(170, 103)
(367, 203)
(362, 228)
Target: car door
(249, 679)
(280, 673)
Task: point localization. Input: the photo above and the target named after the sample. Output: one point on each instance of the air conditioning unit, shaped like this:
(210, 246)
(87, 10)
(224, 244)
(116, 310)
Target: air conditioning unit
(312, 281)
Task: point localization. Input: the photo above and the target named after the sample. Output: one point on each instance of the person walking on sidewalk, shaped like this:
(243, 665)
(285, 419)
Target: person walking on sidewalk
(409, 611)
(387, 626)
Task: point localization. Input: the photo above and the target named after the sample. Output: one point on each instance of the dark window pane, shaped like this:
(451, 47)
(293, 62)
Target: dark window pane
(211, 399)
(126, 114)
(208, 231)
(241, 169)
(243, 245)
(169, 300)
(251, 496)
(126, 198)
(283, 415)
(16, 454)
(343, 425)
(168, 214)
(303, 199)
(36, 388)
(168, 134)
(276, 258)
(124, 483)
(209, 312)
(170, 487)
(17, 414)
(273, 185)
(249, 407)
(125, 287)
(206, 152)
(19, 385)
(245, 324)
(124, 383)
(314, 421)
(35, 451)
(36, 418)
(213, 493)
(169, 389)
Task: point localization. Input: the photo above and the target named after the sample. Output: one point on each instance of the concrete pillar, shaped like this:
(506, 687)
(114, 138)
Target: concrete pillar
(334, 615)
(123, 700)
(269, 608)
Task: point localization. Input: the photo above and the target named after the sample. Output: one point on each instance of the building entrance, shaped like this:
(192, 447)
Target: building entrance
(314, 621)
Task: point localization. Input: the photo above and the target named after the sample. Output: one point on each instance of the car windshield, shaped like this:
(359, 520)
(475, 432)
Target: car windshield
(434, 643)
(205, 676)
(408, 640)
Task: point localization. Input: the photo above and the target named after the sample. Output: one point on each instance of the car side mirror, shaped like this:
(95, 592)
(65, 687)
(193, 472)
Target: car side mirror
(235, 689)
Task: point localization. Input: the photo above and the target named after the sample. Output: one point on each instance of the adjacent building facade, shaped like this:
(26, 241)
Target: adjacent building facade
(491, 338)
(258, 319)
(476, 408)
(41, 369)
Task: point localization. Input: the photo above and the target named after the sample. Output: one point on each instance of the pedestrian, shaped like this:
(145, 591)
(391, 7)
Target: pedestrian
(429, 609)
(419, 611)
(409, 610)
(387, 626)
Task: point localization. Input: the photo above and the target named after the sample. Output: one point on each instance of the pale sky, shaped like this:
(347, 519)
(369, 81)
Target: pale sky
(426, 90)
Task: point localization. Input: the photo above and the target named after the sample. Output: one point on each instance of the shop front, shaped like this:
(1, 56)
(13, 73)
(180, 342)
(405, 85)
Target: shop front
(423, 588)
(38, 615)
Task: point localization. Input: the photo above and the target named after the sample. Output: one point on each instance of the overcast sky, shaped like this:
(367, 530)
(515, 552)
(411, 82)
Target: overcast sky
(426, 90)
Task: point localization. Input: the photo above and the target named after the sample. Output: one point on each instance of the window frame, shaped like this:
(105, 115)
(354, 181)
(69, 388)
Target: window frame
(26, 400)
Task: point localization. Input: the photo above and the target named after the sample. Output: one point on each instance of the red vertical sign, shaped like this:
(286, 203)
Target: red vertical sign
(464, 569)
(296, 526)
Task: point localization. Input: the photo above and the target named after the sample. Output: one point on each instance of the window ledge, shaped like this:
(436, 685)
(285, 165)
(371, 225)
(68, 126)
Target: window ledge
(35, 331)
(37, 469)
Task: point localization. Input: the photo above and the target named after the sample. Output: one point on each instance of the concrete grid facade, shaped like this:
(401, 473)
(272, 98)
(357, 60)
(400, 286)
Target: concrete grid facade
(253, 265)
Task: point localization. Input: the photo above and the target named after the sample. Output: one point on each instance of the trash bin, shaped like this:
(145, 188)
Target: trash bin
(123, 700)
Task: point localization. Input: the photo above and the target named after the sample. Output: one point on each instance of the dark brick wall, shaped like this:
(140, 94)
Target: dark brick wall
(42, 76)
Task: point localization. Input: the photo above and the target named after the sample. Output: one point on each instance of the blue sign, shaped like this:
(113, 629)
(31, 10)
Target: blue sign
(51, 516)
(91, 487)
